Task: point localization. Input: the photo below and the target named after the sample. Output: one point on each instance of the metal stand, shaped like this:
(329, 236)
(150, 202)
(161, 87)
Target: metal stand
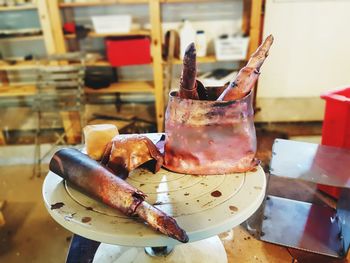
(59, 95)
(159, 251)
(314, 228)
(207, 250)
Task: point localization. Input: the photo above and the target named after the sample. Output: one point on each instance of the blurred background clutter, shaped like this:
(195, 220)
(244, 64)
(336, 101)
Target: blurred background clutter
(66, 64)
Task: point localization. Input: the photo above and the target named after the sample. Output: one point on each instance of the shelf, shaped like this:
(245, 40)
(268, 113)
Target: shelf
(124, 87)
(113, 2)
(20, 65)
(206, 59)
(96, 35)
(20, 38)
(12, 91)
(17, 7)
(99, 3)
(191, 1)
(31, 64)
(99, 63)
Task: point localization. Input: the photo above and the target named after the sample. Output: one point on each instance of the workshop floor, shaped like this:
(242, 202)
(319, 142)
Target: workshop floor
(30, 235)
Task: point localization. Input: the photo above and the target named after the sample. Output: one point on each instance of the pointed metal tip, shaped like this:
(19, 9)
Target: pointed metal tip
(270, 38)
(190, 50)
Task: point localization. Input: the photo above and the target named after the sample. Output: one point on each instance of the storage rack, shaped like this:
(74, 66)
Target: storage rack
(55, 42)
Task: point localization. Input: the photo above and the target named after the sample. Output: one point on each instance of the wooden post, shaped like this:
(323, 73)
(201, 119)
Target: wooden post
(255, 25)
(56, 26)
(2, 219)
(156, 49)
(48, 33)
(169, 64)
(68, 16)
(247, 5)
(2, 138)
(72, 126)
(255, 32)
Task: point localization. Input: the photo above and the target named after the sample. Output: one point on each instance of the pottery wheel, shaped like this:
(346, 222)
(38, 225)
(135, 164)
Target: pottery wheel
(202, 205)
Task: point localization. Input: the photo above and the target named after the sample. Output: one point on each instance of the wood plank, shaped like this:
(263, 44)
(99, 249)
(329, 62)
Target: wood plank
(72, 126)
(99, 63)
(20, 65)
(113, 2)
(17, 7)
(247, 5)
(140, 32)
(46, 26)
(2, 219)
(27, 65)
(169, 63)
(11, 91)
(255, 33)
(21, 38)
(255, 26)
(124, 87)
(191, 1)
(99, 3)
(56, 26)
(156, 51)
(4, 80)
(2, 140)
(206, 59)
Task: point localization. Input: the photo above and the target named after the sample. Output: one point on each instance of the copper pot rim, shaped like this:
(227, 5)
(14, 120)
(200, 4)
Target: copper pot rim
(174, 95)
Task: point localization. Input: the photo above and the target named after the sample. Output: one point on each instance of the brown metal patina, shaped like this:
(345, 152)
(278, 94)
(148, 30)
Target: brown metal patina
(209, 137)
(124, 154)
(97, 181)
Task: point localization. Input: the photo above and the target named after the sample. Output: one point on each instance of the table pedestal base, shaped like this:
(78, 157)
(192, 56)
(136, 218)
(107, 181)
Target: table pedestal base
(206, 250)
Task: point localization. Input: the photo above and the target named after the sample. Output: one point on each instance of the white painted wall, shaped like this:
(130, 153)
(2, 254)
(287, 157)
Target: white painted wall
(311, 52)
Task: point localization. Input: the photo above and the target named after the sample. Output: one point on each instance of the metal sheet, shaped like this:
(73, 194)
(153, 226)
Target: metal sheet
(301, 225)
(343, 213)
(311, 162)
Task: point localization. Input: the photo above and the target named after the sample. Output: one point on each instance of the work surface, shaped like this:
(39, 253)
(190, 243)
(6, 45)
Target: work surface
(31, 235)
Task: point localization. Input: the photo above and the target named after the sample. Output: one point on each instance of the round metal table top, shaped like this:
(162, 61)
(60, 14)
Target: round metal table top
(203, 206)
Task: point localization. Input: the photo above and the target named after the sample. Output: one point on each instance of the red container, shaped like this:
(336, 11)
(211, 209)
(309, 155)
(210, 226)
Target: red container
(128, 51)
(336, 125)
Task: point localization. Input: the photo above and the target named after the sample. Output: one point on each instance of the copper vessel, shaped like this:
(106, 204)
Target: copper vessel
(209, 137)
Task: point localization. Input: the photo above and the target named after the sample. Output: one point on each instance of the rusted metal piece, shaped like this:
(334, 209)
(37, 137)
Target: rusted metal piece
(158, 220)
(188, 84)
(94, 179)
(248, 75)
(124, 154)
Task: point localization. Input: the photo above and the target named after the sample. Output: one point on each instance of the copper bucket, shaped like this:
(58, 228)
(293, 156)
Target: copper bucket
(209, 137)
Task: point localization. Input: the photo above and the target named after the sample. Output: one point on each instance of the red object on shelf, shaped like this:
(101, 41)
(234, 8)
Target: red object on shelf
(69, 27)
(128, 51)
(336, 126)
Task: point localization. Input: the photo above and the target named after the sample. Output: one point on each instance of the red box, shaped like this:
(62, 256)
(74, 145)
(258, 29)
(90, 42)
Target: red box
(128, 51)
(336, 125)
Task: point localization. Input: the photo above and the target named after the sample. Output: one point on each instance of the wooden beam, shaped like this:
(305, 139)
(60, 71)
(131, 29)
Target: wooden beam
(72, 126)
(48, 34)
(4, 78)
(2, 138)
(156, 49)
(255, 34)
(246, 16)
(56, 26)
(255, 25)
(2, 219)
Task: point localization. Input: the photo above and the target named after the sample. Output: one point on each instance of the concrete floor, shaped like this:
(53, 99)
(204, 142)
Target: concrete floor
(30, 235)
